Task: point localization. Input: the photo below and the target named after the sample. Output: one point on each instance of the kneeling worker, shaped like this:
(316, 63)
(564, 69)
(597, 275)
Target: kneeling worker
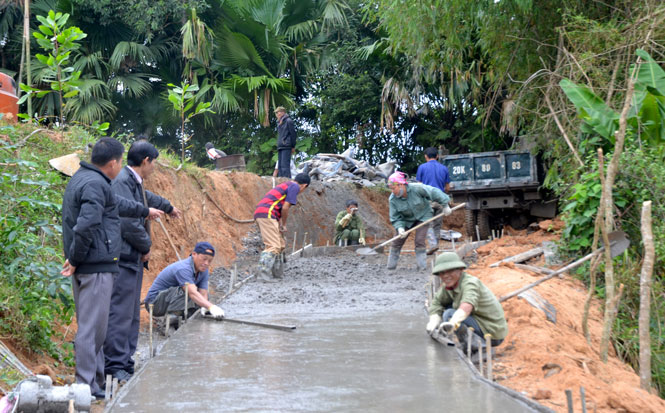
(349, 226)
(464, 301)
(190, 276)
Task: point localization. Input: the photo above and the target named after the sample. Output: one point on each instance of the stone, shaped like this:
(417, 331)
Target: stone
(542, 394)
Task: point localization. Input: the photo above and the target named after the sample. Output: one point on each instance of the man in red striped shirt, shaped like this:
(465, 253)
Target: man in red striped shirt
(270, 215)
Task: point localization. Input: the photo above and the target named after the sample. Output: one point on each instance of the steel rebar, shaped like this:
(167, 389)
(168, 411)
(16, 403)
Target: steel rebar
(488, 346)
(468, 341)
(186, 302)
(304, 240)
(478, 232)
(295, 237)
(150, 306)
(569, 399)
(583, 398)
(109, 383)
(114, 391)
(168, 325)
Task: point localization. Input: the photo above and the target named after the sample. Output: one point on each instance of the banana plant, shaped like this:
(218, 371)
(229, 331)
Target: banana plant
(183, 99)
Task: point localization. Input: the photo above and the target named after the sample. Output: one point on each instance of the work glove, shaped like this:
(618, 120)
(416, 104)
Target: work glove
(447, 211)
(361, 240)
(215, 311)
(345, 221)
(402, 233)
(453, 324)
(434, 321)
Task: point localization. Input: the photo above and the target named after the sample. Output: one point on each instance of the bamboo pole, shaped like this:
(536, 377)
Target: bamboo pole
(645, 298)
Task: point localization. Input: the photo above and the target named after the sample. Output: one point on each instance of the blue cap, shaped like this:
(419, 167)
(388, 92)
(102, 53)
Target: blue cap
(204, 248)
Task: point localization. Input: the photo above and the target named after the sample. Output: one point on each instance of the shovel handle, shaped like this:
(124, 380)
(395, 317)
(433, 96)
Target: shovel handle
(383, 244)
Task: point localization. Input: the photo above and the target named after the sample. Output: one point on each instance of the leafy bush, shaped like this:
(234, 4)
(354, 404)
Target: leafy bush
(33, 294)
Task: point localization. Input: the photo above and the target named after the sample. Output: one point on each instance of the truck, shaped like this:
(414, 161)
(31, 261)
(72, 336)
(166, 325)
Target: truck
(500, 188)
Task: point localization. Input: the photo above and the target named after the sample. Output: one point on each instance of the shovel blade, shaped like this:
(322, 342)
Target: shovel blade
(366, 251)
(619, 242)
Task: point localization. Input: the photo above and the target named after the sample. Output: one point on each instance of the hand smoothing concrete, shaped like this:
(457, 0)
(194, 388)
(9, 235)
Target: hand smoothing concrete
(360, 346)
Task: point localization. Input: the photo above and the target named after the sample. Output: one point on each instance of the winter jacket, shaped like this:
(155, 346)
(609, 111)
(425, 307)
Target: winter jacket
(286, 133)
(135, 239)
(91, 223)
(405, 212)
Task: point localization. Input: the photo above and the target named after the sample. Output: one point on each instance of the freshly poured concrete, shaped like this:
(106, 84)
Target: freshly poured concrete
(360, 346)
(384, 362)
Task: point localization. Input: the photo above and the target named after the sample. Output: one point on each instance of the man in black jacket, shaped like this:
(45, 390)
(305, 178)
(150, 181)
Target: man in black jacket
(91, 242)
(123, 326)
(286, 142)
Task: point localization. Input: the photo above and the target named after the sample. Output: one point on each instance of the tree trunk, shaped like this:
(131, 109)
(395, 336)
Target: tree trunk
(26, 41)
(645, 298)
(611, 301)
(594, 246)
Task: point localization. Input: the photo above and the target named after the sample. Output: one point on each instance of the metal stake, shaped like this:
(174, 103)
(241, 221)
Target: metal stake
(583, 398)
(304, 240)
(480, 361)
(569, 399)
(478, 232)
(327, 243)
(468, 341)
(109, 383)
(115, 388)
(295, 236)
(168, 324)
(488, 345)
(186, 301)
(150, 306)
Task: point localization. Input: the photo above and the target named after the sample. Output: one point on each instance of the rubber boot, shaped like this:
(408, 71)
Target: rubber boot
(278, 267)
(393, 258)
(266, 262)
(432, 242)
(421, 259)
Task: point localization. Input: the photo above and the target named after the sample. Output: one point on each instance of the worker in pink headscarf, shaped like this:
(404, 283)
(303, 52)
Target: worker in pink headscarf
(409, 206)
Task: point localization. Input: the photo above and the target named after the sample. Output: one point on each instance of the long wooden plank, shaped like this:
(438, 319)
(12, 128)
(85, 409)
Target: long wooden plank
(527, 255)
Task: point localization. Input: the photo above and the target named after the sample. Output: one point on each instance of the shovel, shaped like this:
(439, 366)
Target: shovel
(372, 251)
(618, 244)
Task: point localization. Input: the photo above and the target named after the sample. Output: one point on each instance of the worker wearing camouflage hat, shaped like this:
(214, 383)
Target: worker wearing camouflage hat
(464, 301)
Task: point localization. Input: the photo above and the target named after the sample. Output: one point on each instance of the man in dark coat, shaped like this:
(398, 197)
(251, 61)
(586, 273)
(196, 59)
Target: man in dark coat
(123, 326)
(91, 242)
(286, 142)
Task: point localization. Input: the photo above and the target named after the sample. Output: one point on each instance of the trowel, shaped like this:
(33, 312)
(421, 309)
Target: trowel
(618, 244)
(372, 251)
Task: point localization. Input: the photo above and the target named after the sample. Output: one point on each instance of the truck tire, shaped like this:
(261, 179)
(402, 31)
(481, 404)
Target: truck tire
(470, 221)
(484, 225)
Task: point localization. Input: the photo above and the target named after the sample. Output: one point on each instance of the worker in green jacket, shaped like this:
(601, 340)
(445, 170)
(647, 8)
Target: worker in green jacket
(349, 227)
(464, 301)
(410, 206)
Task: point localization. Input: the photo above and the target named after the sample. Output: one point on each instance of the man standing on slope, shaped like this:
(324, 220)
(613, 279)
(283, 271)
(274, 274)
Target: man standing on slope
(91, 243)
(434, 173)
(123, 329)
(286, 141)
(271, 215)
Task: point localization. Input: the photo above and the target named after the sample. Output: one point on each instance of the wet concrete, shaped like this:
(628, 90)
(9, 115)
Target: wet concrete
(360, 345)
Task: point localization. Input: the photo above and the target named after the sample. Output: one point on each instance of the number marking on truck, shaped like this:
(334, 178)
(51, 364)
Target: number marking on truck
(457, 170)
(516, 165)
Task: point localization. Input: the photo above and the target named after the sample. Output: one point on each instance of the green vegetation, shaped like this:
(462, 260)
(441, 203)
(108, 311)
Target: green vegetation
(34, 297)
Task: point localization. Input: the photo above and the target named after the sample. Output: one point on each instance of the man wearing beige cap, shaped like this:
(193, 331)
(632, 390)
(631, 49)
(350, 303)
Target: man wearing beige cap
(464, 301)
(286, 142)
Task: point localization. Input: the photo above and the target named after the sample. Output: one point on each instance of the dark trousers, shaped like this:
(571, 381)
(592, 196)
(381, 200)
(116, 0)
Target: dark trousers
(284, 162)
(470, 322)
(421, 236)
(92, 298)
(123, 322)
(172, 301)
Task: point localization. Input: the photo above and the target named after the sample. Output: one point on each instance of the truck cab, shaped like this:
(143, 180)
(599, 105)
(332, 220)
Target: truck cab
(8, 99)
(499, 188)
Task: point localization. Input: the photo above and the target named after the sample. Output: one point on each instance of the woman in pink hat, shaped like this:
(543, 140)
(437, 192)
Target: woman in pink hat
(409, 206)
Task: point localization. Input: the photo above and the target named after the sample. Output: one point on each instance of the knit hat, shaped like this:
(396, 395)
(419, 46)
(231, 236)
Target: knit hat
(447, 261)
(397, 178)
(204, 248)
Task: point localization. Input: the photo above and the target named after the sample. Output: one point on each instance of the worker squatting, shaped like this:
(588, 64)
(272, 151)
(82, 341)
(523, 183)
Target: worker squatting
(106, 216)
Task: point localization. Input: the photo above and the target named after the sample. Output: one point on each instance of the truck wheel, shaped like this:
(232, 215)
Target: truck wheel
(470, 221)
(484, 226)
